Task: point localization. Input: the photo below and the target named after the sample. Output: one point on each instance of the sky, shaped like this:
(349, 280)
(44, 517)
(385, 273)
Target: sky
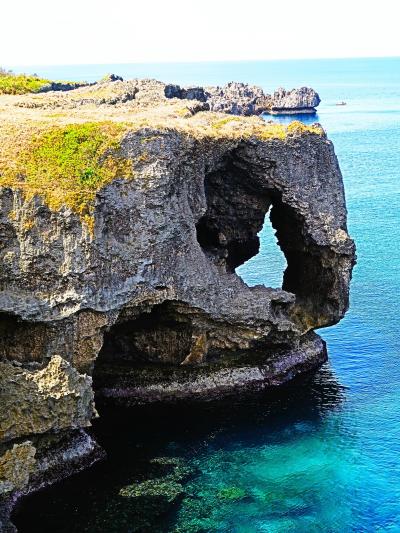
(51, 32)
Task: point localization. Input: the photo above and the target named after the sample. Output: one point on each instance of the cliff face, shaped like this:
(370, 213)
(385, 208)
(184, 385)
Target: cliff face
(127, 273)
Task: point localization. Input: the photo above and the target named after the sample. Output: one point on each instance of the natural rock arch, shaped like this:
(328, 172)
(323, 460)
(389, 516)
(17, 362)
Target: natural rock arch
(269, 264)
(156, 274)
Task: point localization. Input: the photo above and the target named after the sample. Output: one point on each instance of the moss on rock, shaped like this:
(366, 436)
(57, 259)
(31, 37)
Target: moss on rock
(67, 165)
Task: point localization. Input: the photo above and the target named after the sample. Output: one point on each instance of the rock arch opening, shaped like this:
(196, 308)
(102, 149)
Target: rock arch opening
(236, 232)
(241, 198)
(268, 265)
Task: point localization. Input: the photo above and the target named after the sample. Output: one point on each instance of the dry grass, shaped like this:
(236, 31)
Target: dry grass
(66, 156)
(67, 165)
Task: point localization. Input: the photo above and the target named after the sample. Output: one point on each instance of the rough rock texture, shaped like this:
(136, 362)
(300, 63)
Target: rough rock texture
(56, 397)
(243, 99)
(16, 464)
(145, 298)
(303, 100)
(62, 86)
(31, 465)
(43, 402)
(237, 99)
(233, 98)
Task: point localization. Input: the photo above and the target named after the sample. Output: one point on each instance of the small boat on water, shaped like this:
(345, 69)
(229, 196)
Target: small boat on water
(341, 103)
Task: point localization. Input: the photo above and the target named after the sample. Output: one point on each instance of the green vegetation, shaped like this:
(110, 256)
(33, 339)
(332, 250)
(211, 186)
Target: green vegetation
(299, 127)
(67, 165)
(11, 83)
(246, 127)
(224, 121)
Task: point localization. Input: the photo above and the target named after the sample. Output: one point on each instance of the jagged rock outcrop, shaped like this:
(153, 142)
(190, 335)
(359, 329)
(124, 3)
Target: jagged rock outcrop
(121, 266)
(243, 99)
(111, 77)
(62, 86)
(56, 397)
(237, 99)
(303, 100)
(233, 98)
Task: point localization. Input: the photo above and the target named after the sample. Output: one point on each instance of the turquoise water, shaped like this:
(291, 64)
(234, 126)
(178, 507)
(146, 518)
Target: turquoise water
(324, 455)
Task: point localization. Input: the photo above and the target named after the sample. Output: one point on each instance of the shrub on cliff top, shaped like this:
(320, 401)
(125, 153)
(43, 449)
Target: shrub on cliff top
(11, 83)
(67, 164)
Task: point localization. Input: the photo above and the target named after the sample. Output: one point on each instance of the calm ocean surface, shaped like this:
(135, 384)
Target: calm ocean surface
(325, 455)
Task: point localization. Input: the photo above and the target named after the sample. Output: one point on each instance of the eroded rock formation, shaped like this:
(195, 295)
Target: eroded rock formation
(233, 98)
(139, 289)
(244, 99)
(303, 100)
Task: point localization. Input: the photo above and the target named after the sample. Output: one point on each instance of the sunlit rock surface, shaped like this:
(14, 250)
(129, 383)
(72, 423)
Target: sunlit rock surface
(243, 99)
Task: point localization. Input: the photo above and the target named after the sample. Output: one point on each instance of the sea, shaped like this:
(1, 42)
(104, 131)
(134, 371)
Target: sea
(322, 454)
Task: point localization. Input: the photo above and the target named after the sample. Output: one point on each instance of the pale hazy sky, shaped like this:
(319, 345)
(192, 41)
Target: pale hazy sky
(126, 31)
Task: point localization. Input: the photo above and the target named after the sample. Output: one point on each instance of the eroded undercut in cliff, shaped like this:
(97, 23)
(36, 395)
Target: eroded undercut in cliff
(142, 345)
(162, 334)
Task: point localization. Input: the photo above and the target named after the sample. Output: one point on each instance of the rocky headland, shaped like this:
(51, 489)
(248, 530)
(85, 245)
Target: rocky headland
(234, 98)
(243, 99)
(125, 208)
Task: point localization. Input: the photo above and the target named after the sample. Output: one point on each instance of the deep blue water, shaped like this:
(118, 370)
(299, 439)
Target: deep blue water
(326, 458)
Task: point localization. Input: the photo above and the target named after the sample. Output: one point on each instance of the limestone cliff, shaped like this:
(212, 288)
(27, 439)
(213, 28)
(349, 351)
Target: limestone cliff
(122, 220)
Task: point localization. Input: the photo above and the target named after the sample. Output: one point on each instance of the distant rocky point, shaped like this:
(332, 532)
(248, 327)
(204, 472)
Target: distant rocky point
(234, 98)
(303, 100)
(238, 98)
(243, 99)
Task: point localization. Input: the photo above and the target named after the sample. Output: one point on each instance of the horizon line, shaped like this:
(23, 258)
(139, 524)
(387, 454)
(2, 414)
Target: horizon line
(166, 62)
